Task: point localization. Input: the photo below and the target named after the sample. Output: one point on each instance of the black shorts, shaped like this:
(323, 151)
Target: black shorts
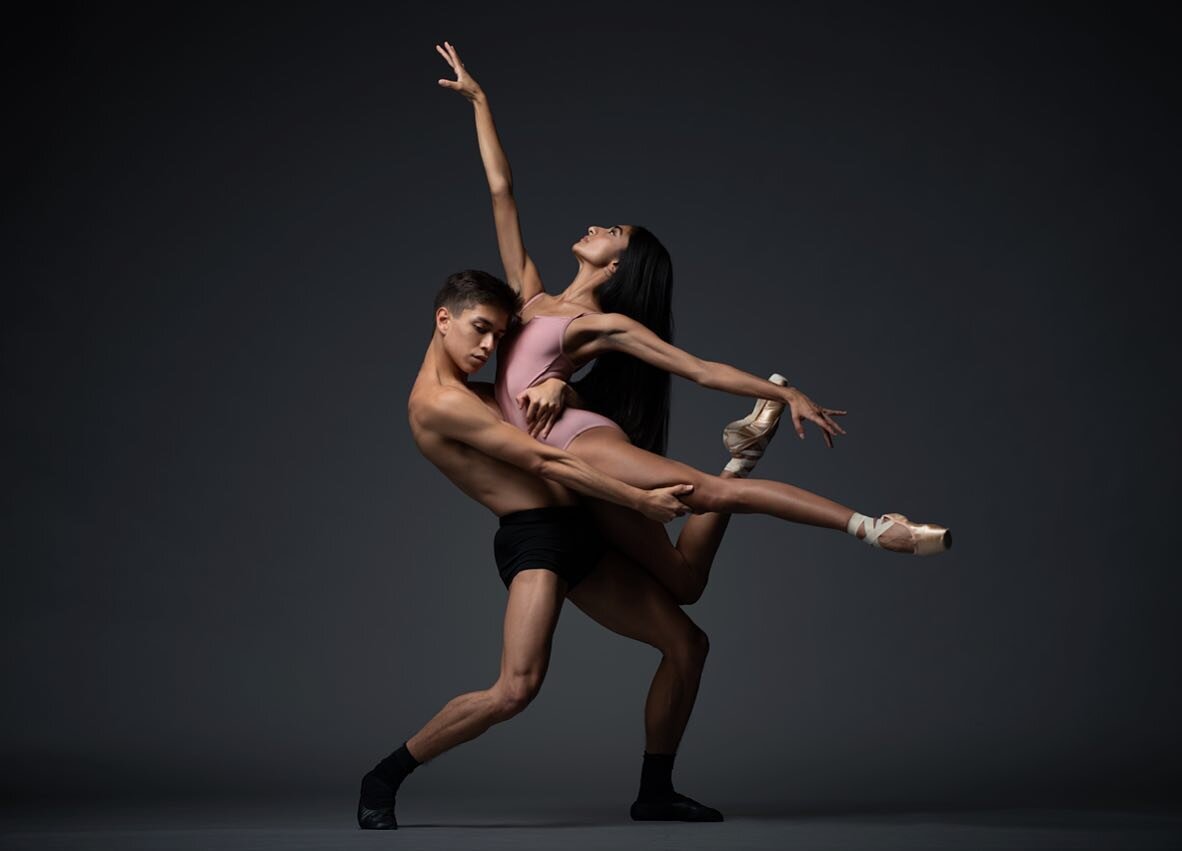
(559, 538)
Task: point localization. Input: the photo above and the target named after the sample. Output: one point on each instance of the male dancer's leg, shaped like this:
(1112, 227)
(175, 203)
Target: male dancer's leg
(531, 615)
(625, 598)
(682, 568)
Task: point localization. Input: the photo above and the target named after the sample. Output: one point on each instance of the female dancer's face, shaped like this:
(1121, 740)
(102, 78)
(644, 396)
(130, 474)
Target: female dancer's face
(471, 337)
(602, 245)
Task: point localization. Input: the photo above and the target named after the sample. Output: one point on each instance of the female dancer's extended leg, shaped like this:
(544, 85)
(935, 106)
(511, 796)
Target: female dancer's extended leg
(610, 451)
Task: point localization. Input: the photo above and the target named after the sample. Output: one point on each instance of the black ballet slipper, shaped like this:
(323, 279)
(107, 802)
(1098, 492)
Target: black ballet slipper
(375, 809)
(675, 808)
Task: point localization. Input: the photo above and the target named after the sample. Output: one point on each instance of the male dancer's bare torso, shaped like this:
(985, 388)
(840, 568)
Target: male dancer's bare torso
(498, 486)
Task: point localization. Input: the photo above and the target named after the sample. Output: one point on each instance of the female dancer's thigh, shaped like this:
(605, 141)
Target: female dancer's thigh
(611, 452)
(642, 540)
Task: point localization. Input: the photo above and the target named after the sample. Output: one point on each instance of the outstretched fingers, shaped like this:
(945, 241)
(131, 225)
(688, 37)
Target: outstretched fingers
(455, 56)
(823, 419)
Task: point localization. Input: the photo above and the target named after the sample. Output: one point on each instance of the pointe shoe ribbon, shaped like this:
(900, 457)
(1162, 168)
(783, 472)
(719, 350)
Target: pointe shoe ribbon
(746, 439)
(927, 538)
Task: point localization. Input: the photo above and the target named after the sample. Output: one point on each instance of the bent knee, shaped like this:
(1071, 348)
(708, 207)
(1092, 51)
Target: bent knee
(690, 592)
(715, 495)
(691, 646)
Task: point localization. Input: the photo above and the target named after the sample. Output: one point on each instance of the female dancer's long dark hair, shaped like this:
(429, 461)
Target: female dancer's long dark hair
(623, 388)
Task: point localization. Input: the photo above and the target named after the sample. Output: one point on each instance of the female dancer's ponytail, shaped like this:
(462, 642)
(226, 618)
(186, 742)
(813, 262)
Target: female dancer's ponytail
(621, 387)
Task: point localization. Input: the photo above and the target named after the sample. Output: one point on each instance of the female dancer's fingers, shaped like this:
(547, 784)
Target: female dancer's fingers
(826, 423)
(454, 55)
(545, 416)
(443, 53)
(825, 430)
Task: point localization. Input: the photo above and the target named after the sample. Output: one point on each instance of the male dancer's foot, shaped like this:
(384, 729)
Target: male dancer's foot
(379, 787)
(657, 801)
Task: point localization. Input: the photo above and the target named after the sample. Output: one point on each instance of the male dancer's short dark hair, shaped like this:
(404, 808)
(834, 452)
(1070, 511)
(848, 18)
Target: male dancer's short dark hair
(471, 287)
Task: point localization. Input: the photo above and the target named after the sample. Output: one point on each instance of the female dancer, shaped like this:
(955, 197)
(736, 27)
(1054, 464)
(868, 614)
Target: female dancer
(624, 269)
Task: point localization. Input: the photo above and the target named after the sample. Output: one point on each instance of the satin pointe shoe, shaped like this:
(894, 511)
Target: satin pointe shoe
(746, 439)
(677, 808)
(927, 539)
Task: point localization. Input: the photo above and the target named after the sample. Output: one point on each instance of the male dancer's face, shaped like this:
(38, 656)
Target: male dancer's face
(471, 337)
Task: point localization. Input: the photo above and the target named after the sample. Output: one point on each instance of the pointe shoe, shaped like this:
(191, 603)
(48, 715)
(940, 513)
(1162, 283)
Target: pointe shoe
(746, 439)
(927, 539)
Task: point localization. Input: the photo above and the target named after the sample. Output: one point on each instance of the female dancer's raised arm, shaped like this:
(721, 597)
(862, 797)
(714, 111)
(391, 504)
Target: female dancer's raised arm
(520, 271)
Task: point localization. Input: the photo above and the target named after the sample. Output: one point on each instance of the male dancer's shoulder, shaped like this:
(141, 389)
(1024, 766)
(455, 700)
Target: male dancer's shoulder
(440, 408)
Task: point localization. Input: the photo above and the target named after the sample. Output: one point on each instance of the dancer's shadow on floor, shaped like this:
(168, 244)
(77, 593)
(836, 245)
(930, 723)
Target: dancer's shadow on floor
(521, 824)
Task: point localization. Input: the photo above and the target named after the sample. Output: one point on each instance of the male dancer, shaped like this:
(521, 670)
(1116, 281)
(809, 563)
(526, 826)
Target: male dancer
(546, 549)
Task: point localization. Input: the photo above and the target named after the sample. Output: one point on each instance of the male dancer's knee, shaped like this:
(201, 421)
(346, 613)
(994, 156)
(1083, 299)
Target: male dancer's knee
(688, 647)
(513, 693)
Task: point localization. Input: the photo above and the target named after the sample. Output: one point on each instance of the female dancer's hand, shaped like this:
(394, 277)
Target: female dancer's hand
(803, 407)
(463, 83)
(662, 504)
(543, 405)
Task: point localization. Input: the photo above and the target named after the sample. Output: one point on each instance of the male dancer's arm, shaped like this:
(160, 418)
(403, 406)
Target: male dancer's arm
(458, 416)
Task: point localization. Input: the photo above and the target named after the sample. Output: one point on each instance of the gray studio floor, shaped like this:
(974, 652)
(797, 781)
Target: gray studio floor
(516, 825)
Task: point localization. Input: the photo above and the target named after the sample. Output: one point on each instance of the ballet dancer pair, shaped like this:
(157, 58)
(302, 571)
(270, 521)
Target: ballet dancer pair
(603, 438)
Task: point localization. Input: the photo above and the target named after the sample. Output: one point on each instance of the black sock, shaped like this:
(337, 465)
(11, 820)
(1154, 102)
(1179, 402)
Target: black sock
(656, 777)
(380, 785)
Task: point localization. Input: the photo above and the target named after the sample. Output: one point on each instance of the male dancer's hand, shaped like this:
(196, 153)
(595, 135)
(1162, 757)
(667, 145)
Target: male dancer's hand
(463, 83)
(662, 504)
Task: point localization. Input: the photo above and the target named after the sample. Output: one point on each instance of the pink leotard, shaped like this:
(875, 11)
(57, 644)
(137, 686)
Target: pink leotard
(533, 355)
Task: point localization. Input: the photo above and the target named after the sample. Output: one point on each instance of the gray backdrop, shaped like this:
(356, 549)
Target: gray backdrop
(225, 230)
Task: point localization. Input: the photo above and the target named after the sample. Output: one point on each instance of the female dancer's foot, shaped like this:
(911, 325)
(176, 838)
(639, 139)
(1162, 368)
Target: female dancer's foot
(896, 533)
(746, 439)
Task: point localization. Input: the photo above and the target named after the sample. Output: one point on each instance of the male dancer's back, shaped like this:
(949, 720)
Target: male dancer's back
(546, 549)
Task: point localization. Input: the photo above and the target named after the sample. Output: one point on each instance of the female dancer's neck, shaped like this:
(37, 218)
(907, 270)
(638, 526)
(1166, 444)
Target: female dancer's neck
(584, 286)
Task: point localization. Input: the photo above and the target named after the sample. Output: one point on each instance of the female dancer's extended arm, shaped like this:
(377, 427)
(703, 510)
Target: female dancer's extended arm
(520, 271)
(589, 336)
